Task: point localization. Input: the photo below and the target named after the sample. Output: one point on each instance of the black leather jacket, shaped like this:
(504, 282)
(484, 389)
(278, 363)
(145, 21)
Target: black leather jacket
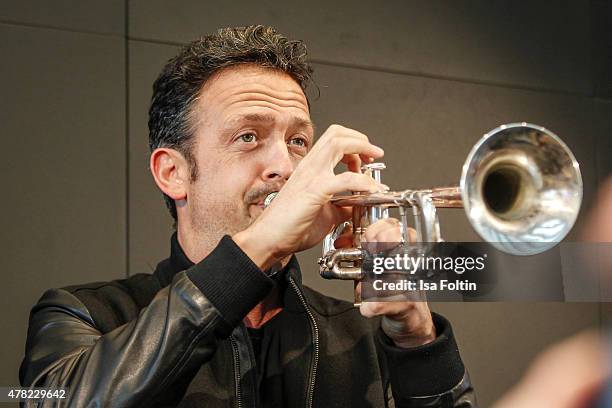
(176, 338)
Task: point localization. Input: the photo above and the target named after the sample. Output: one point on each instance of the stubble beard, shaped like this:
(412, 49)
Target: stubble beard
(214, 215)
(212, 219)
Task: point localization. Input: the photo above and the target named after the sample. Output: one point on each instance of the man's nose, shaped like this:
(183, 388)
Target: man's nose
(279, 164)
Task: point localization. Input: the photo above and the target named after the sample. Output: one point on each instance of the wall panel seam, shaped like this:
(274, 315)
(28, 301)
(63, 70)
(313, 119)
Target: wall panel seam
(127, 136)
(56, 28)
(406, 73)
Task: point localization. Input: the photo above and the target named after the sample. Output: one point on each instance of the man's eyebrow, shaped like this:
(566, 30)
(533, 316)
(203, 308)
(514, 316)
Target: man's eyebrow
(296, 121)
(302, 123)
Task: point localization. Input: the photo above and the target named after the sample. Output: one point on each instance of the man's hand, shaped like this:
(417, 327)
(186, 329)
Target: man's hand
(301, 214)
(407, 323)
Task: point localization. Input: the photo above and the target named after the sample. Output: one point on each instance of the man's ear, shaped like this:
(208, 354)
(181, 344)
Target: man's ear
(171, 172)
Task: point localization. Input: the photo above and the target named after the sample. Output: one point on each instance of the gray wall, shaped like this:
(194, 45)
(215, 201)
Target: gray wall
(422, 79)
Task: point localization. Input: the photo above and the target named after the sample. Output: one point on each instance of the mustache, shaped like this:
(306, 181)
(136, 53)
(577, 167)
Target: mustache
(260, 193)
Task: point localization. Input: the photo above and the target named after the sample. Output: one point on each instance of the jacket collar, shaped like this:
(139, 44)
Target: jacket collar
(172, 265)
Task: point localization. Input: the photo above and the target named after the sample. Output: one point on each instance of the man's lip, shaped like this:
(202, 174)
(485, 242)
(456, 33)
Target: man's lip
(261, 203)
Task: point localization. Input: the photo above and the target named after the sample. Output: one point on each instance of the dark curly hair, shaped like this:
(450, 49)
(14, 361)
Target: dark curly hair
(182, 78)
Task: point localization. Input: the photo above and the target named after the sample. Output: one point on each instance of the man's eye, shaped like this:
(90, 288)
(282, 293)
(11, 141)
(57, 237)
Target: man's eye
(247, 137)
(298, 141)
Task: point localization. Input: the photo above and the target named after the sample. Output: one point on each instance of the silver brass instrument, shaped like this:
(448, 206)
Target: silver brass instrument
(520, 187)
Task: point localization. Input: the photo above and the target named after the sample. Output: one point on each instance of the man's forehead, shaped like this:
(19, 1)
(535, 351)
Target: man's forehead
(243, 92)
(247, 77)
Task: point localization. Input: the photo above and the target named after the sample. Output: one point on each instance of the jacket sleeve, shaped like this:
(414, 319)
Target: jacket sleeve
(154, 356)
(432, 375)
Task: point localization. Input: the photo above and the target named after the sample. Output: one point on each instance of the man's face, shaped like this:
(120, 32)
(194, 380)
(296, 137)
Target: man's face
(252, 127)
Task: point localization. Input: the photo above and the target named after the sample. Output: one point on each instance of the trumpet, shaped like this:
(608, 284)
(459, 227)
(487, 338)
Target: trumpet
(520, 187)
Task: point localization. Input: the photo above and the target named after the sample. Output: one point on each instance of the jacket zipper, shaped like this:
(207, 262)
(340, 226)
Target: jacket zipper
(236, 371)
(315, 338)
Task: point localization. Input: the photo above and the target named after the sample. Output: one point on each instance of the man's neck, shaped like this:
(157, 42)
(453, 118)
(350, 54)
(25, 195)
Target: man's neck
(194, 249)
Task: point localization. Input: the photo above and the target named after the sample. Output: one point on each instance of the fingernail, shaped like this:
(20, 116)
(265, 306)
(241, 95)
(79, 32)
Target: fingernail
(380, 187)
(381, 150)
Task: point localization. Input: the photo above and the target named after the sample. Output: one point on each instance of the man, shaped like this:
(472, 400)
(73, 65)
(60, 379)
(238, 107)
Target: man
(225, 320)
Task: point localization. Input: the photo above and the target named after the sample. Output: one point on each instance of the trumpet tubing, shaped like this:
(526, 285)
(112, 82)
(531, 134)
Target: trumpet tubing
(520, 187)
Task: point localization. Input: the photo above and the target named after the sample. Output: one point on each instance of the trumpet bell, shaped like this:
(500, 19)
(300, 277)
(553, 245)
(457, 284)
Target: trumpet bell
(521, 188)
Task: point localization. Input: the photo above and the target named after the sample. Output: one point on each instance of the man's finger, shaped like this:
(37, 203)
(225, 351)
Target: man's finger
(336, 130)
(331, 152)
(353, 162)
(385, 230)
(388, 308)
(350, 181)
